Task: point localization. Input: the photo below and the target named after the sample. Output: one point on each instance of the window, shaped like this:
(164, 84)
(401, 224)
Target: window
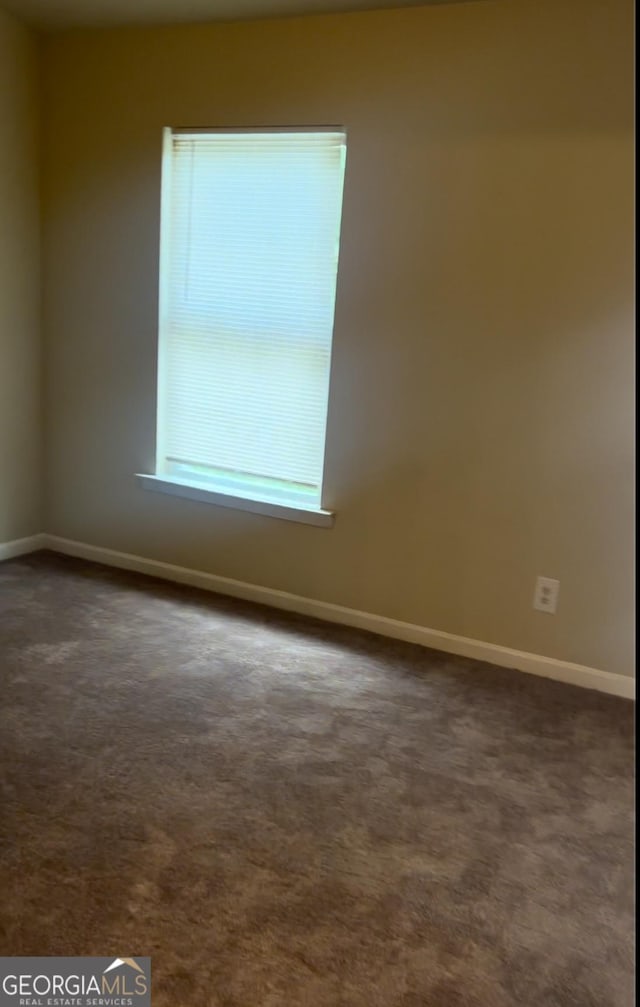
(249, 257)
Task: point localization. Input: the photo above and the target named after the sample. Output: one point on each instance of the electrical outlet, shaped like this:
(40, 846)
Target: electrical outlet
(545, 597)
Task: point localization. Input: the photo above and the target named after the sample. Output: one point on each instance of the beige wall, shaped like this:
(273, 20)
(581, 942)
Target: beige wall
(480, 425)
(20, 386)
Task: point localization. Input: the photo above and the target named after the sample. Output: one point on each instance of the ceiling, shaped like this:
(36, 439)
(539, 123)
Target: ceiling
(51, 14)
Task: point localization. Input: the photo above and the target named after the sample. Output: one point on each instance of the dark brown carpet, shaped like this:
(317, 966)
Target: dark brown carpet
(288, 814)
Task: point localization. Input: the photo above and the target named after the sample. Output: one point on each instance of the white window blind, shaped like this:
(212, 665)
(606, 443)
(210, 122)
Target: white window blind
(249, 255)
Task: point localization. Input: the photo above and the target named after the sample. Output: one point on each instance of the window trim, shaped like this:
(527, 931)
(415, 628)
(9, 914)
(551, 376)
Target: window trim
(163, 482)
(317, 516)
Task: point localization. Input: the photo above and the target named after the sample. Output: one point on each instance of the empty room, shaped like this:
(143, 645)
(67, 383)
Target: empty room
(317, 503)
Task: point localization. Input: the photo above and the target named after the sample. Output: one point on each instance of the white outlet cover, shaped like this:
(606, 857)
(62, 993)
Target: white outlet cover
(545, 597)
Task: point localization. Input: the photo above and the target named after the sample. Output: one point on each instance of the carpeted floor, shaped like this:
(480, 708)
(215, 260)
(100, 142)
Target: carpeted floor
(284, 813)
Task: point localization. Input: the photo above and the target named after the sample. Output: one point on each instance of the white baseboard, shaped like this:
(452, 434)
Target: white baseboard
(21, 546)
(533, 664)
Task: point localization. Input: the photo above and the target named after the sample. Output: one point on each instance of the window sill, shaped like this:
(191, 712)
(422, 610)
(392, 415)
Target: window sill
(196, 491)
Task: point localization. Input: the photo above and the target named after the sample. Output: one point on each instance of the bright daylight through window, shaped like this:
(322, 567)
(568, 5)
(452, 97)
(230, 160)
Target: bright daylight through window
(249, 257)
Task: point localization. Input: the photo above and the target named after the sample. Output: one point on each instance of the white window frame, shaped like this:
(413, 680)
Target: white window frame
(227, 492)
